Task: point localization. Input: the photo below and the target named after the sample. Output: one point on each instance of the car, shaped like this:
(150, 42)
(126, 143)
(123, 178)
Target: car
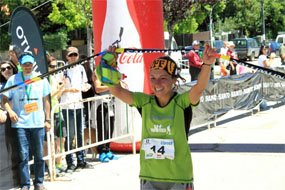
(280, 38)
(246, 48)
(188, 48)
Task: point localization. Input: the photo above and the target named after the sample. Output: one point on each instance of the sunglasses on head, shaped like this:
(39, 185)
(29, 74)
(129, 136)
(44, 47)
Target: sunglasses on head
(52, 66)
(6, 68)
(73, 54)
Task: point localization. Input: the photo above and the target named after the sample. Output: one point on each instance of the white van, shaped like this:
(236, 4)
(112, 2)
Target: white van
(280, 39)
(176, 56)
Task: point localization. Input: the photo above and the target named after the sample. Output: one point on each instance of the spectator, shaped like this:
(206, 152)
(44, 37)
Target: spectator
(263, 61)
(76, 82)
(90, 92)
(231, 68)
(57, 87)
(195, 61)
(224, 63)
(165, 156)
(7, 70)
(29, 113)
(104, 151)
(9, 152)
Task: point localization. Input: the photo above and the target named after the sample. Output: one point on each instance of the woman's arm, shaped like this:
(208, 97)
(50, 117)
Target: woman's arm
(122, 93)
(268, 62)
(204, 76)
(97, 84)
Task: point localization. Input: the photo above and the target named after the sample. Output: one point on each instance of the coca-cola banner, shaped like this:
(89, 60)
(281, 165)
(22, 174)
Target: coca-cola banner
(142, 22)
(235, 92)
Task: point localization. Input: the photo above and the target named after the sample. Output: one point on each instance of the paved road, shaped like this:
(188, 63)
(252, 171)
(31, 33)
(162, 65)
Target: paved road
(243, 152)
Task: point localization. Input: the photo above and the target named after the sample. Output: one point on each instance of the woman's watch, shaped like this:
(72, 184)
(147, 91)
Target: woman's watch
(47, 120)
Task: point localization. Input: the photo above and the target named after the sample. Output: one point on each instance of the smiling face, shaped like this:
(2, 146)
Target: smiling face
(6, 70)
(27, 68)
(161, 84)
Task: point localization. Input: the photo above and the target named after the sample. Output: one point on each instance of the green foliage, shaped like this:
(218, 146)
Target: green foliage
(229, 25)
(185, 16)
(4, 41)
(73, 14)
(187, 26)
(275, 17)
(245, 16)
(57, 41)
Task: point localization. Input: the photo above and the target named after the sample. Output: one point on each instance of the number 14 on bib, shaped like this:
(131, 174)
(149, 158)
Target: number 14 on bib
(158, 148)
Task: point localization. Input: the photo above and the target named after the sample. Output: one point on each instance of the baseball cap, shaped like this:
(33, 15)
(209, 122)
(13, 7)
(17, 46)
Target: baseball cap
(71, 50)
(196, 42)
(26, 59)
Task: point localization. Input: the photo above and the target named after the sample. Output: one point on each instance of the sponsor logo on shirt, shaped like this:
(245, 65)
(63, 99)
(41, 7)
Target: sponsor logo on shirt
(160, 129)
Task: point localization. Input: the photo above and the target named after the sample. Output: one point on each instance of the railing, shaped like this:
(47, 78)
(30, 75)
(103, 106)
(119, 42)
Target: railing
(94, 101)
(183, 64)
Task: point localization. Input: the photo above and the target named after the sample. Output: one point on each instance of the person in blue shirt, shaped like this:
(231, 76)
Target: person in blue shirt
(30, 116)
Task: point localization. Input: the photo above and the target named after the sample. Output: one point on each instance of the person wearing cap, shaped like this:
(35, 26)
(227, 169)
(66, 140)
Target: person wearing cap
(195, 61)
(232, 66)
(165, 158)
(30, 116)
(76, 82)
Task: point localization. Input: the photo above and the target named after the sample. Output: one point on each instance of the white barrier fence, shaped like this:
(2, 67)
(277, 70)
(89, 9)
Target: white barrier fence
(183, 64)
(94, 103)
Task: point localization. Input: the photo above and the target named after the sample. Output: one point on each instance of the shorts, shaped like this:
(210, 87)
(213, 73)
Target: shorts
(57, 123)
(156, 185)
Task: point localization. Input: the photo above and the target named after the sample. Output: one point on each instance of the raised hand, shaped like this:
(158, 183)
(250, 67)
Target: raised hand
(208, 54)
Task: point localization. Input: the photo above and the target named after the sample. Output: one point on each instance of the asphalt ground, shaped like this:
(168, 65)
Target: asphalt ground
(243, 151)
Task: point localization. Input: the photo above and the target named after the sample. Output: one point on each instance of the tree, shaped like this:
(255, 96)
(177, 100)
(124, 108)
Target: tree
(5, 13)
(41, 9)
(176, 11)
(245, 16)
(74, 14)
(274, 17)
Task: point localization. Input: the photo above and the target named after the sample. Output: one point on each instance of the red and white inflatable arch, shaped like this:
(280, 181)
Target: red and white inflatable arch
(142, 21)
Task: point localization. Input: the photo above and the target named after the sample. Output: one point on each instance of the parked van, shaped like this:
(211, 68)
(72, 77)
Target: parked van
(246, 48)
(176, 56)
(280, 39)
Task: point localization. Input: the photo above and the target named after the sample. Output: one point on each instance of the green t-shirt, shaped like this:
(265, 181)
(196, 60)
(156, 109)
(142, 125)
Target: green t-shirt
(164, 129)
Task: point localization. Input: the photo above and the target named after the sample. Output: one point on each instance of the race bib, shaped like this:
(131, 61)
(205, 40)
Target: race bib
(29, 108)
(158, 148)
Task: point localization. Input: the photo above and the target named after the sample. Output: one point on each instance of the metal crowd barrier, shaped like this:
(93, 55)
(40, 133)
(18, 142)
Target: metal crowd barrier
(183, 64)
(92, 124)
